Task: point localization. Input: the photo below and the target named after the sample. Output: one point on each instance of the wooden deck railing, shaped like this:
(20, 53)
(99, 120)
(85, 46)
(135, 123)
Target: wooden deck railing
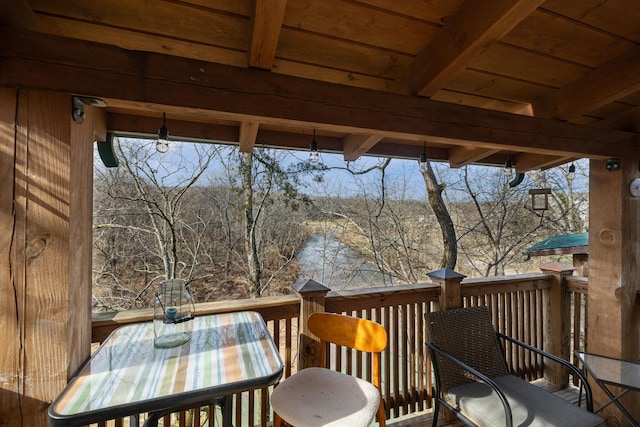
(517, 309)
(519, 305)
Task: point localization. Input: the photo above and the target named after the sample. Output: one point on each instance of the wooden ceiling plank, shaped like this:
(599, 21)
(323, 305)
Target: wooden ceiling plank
(462, 156)
(230, 93)
(18, 14)
(248, 134)
(355, 146)
(613, 80)
(475, 26)
(154, 19)
(266, 23)
(360, 23)
(134, 40)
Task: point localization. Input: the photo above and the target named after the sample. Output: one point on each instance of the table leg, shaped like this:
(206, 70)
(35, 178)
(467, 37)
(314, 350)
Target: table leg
(152, 420)
(614, 400)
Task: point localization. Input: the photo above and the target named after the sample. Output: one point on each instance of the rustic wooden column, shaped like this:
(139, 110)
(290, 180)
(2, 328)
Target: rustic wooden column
(449, 281)
(46, 166)
(450, 297)
(557, 319)
(312, 300)
(613, 325)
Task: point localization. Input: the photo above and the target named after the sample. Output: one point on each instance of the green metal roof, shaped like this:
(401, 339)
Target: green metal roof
(562, 244)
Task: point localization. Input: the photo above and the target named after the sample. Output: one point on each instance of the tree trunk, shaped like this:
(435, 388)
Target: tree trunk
(253, 263)
(434, 190)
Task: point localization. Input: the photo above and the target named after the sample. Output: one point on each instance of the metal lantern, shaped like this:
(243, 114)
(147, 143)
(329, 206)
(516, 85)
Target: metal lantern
(540, 199)
(172, 311)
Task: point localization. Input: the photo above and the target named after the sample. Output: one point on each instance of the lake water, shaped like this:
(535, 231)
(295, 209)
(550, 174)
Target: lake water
(328, 261)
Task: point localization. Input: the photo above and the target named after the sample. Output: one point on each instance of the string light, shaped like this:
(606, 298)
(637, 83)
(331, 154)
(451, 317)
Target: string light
(162, 145)
(314, 156)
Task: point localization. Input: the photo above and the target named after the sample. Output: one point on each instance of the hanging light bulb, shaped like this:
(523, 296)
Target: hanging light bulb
(314, 156)
(572, 172)
(162, 144)
(508, 166)
(423, 158)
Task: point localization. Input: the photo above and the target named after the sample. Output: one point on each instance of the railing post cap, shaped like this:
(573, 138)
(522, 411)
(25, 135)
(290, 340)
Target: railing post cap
(556, 267)
(309, 286)
(445, 274)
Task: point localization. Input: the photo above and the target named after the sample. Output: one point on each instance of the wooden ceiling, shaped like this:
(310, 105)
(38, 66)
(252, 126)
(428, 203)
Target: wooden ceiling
(542, 82)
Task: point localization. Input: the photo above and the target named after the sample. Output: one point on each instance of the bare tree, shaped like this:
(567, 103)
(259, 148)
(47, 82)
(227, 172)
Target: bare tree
(266, 186)
(385, 225)
(569, 204)
(145, 200)
(495, 225)
(436, 201)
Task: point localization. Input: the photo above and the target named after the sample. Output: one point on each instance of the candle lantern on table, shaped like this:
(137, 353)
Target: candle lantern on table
(172, 311)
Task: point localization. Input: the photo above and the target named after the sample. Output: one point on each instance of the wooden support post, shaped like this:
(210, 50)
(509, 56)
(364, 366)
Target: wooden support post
(312, 301)
(449, 281)
(613, 315)
(557, 323)
(46, 171)
(450, 297)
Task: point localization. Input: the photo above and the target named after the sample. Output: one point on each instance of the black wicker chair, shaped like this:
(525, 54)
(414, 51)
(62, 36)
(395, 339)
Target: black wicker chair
(472, 378)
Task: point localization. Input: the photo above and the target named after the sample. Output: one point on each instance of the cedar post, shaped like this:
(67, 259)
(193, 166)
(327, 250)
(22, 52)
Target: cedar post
(450, 297)
(449, 281)
(312, 300)
(557, 323)
(46, 172)
(613, 315)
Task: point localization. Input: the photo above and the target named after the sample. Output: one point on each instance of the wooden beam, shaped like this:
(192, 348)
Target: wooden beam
(128, 124)
(611, 81)
(628, 121)
(248, 134)
(525, 162)
(157, 81)
(462, 156)
(266, 23)
(355, 146)
(464, 36)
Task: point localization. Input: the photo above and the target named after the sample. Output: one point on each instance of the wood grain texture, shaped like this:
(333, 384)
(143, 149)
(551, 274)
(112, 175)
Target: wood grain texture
(614, 326)
(10, 359)
(48, 289)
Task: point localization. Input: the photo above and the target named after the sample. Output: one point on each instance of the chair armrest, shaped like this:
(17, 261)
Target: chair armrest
(575, 370)
(507, 408)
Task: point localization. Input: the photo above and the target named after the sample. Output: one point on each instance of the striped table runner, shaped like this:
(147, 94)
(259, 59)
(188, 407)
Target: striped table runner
(127, 369)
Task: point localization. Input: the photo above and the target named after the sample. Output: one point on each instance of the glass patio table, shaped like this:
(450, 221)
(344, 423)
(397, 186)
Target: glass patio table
(127, 375)
(609, 371)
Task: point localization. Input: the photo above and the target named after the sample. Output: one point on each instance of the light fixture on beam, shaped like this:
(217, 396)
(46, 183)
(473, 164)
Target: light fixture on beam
(508, 166)
(162, 144)
(540, 199)
(423, 159)
(571, 172)
(314, 156)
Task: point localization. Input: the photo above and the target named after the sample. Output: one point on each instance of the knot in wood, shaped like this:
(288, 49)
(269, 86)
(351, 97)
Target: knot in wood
(36, 246)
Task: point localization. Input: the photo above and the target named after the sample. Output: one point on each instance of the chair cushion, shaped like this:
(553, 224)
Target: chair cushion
(530, 405)
(322, 397)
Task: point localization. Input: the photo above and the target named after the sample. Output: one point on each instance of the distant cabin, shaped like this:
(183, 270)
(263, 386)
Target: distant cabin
(576, 244)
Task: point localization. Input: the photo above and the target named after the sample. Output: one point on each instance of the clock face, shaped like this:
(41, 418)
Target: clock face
(634, 187)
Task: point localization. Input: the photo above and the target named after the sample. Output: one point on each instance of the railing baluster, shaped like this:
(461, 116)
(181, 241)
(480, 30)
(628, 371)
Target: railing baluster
(516, 306)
